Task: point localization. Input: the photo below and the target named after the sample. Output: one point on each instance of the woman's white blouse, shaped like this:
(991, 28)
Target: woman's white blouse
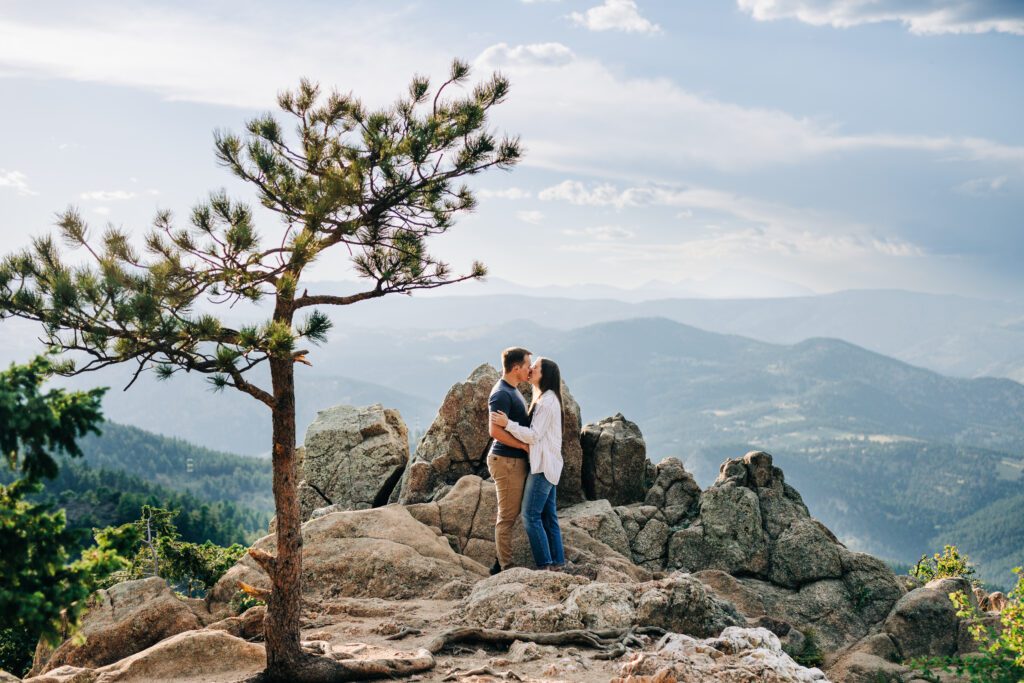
(544, 436)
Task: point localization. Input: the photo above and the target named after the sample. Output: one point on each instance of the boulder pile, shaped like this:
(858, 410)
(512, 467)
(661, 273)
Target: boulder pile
(737, 581)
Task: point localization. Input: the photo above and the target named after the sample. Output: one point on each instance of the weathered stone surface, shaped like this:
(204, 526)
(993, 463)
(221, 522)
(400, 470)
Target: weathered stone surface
(123, 619)
(863, 667)
(523, 599)
(246, 626)
(190, 656)
(825, 607)
(647, 532)
(8, 678)
(681, 604)
(603, 605)
(65, 674)
(675, 492)
(353, 458)
(570, 486)
(548, 601)
(923, 623)
(738, 655)
(383, 553)
(806, 551)
(465, 516)
(599, 520)
(871, 584)
(455, 444)
(614, 461)
(728, 534)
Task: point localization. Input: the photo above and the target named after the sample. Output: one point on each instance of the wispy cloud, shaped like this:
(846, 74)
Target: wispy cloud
(983, 187)
(751, 225)
(593, 102)
(507, 193)
(531, 217)
(926, 17)
(17, 181)
(615, 15)
(114, 195)
(169, 50)
(602, 233)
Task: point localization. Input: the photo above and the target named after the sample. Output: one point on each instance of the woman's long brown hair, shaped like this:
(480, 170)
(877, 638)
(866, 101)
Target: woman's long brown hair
(550, 379)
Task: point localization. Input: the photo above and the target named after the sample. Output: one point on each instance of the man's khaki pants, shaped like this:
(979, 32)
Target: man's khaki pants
(509, 475)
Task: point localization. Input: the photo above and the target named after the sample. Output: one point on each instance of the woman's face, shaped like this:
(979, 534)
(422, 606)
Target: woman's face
(535, 373)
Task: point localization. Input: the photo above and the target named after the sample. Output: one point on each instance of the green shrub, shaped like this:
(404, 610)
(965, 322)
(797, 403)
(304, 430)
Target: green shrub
(947, 564)
(811, 654)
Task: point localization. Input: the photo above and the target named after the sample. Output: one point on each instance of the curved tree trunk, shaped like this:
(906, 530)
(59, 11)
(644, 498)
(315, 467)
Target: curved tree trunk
(284, 654)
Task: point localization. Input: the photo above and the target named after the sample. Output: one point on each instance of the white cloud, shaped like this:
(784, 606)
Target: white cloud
(531, 217)
(169, 50)
(927, 17)
(114, 195)
(983, 187)
(536, 54)
(603, 233)
(507, 193)
(568, 115)
(615, 15)
(15, 180)
(751, 226)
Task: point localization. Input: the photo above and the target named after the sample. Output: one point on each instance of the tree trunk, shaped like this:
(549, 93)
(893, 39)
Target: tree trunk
(284, 654)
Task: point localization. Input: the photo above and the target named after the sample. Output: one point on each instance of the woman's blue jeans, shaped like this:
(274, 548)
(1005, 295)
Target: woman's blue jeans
(541, 521)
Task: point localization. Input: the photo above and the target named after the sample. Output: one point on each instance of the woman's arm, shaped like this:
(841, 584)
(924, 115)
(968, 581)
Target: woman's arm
(542, 418)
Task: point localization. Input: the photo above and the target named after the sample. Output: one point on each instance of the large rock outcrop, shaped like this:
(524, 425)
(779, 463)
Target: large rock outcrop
(122, 620)
(456, 443)
(378, 553)
(754, 541)
(675, 492)
(353, 458)
(615, 464)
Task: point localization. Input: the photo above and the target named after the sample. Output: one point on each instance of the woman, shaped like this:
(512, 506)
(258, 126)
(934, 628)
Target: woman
(544, 436)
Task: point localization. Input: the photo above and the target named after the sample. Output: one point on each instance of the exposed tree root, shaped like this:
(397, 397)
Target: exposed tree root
(483, 671)
(607, 641)
(404, 632)
(322, 669)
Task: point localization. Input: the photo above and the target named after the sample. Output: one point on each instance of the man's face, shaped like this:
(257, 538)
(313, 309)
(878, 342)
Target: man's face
(524, 370)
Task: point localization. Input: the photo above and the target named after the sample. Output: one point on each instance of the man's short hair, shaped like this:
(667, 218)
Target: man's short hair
(512, 357)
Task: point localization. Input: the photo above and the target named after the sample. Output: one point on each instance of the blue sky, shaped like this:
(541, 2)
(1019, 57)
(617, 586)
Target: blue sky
(747, 147)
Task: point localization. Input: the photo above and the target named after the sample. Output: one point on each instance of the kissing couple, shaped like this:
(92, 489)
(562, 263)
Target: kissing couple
(525, 460)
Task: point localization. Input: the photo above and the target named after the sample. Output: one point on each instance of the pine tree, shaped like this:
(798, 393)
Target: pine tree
(375, 184)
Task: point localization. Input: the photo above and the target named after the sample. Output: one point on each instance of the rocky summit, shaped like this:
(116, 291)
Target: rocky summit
(665, 581)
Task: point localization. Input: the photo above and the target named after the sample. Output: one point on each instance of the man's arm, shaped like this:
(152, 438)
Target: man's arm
(501, 436)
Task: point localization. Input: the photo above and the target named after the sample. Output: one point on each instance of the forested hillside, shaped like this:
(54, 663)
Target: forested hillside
(181, 466)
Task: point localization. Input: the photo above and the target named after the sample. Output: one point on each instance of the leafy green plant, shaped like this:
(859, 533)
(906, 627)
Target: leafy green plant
(241, 601)
(811, 654)
(947, 564)
(157, 550)
(44, 589)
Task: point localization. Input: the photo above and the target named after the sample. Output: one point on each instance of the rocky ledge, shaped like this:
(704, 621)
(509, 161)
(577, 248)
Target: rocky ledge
(736, 582)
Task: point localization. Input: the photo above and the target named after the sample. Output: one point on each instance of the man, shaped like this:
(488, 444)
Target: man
(508, 461)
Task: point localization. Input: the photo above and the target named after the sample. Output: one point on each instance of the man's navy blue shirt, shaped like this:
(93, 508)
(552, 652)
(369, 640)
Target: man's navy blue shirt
(507, 399)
